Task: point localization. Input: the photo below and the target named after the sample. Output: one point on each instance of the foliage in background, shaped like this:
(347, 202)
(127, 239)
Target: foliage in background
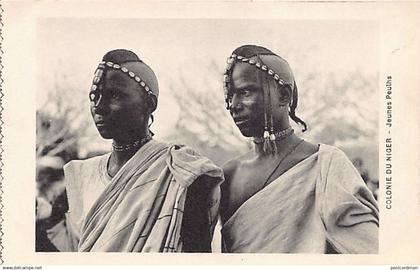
(340, 109)
(203, 122)
(59, 127)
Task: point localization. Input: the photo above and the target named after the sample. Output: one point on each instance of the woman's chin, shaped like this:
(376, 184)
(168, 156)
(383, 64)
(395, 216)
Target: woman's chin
(247, 132)
(105, 134)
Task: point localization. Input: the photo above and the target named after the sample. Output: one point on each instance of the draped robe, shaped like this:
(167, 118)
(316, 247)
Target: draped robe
(320, 205)
(141, 208)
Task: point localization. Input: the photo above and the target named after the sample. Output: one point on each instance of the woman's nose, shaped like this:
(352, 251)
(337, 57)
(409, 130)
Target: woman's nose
(98, 104)
(236, 104)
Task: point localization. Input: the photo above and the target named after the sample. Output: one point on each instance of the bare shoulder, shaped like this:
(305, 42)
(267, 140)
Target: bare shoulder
(230, 166)
(306, 149)
(309, 148)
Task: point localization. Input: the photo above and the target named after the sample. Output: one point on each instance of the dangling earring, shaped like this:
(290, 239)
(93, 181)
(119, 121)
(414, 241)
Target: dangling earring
(269, 146)
(266, 137)
(151, 120)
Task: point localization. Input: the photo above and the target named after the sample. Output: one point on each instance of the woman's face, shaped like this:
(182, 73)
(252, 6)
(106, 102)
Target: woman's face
(247, 100)
(247, 107)
(118, 107)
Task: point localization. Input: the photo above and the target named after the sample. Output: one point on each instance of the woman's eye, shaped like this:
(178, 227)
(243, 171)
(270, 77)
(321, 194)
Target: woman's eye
(115, 95)
(245, 92)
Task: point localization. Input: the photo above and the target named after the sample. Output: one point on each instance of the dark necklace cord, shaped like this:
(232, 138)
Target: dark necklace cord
(280, 162)
(280, 135)
(131, 146)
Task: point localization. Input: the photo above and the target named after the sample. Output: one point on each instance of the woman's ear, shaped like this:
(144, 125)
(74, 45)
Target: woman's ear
(152, 103)
(285, 95)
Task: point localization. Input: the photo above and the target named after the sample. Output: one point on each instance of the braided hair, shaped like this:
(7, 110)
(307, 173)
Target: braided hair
(248, 51)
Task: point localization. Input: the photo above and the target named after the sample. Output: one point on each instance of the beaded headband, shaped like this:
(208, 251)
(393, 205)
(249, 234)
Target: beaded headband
(236, 58)
(103, 65)
(269, 136)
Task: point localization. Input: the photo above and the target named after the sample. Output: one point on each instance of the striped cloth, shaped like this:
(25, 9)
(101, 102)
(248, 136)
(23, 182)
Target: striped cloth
(141, 209)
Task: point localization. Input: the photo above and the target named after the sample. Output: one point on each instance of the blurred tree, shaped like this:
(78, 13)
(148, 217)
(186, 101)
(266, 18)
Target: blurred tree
(60, 124)
(340, 108)
(337, 108)
(204, 123)
(61, 121)
(54, 137)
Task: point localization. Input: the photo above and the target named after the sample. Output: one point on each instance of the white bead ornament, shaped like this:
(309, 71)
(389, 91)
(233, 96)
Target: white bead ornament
(272, 137)
(103, 64)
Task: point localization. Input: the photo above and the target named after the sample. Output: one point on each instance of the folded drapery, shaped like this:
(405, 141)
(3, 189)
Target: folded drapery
(141, 208)
(318, 205)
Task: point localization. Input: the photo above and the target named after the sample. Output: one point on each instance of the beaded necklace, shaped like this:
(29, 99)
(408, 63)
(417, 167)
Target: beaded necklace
(131, 146)
(279, 135)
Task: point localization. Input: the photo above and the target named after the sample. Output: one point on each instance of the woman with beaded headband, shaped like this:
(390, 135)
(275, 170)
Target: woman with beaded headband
(145, 195)
(287, 195)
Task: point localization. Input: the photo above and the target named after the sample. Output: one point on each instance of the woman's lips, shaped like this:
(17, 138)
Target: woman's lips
(240, 121)
(100, 123)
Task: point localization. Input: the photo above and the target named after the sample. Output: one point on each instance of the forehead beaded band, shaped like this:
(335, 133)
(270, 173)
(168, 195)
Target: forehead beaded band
(238, 58)
(110, 65)
(269, 135)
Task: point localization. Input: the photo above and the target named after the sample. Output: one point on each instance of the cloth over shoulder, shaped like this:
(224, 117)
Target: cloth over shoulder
(321, 205)
(347, 207)
(141, 208)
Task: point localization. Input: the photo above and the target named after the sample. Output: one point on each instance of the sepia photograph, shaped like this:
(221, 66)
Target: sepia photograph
(231, 133)
(144, 137)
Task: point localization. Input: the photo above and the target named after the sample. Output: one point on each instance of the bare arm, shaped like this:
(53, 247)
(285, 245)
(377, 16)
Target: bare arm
(200, 215)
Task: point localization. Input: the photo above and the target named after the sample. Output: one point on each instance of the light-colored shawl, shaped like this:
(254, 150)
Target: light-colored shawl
(141, 209)
(320, 200)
